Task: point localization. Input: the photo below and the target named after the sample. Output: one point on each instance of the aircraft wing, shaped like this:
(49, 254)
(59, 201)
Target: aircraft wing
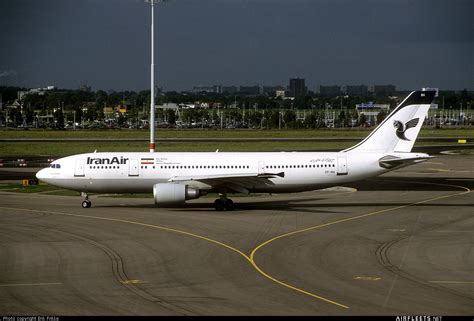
(240, 183)
(391, 161)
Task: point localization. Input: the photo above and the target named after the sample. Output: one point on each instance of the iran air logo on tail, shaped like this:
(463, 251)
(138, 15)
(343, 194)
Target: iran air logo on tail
(402, 128)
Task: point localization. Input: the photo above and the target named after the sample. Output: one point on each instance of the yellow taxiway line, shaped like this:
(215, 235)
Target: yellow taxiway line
(28, 284)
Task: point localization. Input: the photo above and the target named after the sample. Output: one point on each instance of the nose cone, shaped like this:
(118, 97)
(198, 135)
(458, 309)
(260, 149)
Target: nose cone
(42, 174)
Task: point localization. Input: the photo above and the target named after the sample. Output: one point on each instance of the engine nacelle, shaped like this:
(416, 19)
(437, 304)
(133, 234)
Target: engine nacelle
(169, 193)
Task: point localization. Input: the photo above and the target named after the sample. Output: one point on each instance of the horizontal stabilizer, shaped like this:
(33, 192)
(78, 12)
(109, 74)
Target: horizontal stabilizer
(391, 161)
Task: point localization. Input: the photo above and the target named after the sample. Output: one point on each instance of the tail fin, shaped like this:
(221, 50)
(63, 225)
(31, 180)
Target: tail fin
(398, 131)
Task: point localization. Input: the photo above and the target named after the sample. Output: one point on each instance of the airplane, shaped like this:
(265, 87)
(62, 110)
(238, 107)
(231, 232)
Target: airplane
(175, 177)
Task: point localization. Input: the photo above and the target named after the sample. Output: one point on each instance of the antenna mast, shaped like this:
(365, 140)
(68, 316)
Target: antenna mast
(152, 80)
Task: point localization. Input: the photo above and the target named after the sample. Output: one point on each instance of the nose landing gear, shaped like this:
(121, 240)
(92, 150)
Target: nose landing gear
(86, 203)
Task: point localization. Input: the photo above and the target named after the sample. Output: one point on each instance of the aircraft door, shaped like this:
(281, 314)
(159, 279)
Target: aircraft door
(261, 167)
(80, 167)
(133, 168)
(342, 166)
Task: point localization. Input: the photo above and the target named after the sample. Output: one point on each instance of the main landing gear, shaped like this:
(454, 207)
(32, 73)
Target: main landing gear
(86, 203)
(224, 203)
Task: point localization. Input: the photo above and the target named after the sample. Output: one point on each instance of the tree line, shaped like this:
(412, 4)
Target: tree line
(259, 111)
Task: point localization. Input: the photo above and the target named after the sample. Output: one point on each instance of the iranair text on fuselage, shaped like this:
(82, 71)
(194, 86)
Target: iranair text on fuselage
(107, 161)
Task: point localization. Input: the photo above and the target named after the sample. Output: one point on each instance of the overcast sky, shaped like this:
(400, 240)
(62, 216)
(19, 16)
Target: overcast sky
(106, 43)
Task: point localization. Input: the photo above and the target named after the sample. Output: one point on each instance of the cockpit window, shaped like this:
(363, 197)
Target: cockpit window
(55, 166)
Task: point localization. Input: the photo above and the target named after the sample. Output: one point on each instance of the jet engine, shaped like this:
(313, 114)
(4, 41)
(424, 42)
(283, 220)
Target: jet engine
(169, 193)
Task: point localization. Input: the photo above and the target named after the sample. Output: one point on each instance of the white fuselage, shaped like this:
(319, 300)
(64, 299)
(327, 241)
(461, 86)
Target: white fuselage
(177, 177)
(138, 172)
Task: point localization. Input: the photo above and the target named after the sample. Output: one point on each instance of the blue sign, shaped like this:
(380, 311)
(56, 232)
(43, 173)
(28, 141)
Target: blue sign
(370, 104)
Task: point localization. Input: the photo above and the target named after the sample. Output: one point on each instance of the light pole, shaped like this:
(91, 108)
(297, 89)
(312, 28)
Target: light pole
(152, 79)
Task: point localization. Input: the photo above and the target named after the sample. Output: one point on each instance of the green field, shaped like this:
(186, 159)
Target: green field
(63, 148)
(213, 133)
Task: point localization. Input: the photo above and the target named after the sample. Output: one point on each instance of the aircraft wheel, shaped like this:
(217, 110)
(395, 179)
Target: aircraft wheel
(219, 205)
(86, 204)
(229, 205)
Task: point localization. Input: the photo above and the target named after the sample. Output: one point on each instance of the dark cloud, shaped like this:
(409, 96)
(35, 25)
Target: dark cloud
(106, 43)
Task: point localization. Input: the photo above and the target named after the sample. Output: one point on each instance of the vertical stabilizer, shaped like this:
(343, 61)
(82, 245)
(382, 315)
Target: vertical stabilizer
(399, 130)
